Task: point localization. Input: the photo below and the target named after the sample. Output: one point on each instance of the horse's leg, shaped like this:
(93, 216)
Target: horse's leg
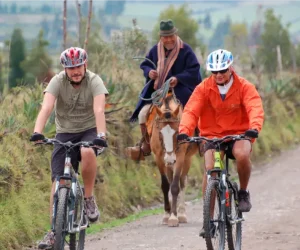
(180, 155)
(169, 171)
(192, 149)
(181, 207)
(165, 186)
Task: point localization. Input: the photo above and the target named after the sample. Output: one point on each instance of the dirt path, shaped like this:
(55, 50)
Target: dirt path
(272, 224)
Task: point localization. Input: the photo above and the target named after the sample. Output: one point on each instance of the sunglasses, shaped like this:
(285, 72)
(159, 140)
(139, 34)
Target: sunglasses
(221, 71)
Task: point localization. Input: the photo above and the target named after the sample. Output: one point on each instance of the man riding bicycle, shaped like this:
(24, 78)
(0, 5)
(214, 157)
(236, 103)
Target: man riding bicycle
(78, 96)
(225, 104)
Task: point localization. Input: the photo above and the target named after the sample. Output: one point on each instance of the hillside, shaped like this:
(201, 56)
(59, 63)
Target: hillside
(147, 13)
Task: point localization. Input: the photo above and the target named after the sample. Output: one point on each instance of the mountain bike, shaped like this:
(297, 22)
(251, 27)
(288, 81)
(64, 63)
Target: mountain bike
(69, 216)
(223, 193)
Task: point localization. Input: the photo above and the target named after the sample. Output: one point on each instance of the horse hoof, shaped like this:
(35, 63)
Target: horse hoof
(173, 221)
(182, 218)
(165, 219)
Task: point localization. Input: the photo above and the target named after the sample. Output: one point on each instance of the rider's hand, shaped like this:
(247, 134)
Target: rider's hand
(153, 74)
(251, 133)
(182, 137)
(37, 137)
(173, 81)
(100, 142)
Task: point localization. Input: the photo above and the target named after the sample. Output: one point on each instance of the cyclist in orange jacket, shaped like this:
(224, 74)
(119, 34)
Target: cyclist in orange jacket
(225, 104)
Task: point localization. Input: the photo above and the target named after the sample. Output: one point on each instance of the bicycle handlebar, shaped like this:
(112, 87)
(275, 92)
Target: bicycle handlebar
(226, 138)
(68, 144)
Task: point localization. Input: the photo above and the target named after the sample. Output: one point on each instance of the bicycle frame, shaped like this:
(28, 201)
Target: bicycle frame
(220, 168)
(70, 179)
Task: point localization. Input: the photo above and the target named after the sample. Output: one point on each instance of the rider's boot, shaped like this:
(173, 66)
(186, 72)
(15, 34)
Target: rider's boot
(142, 149)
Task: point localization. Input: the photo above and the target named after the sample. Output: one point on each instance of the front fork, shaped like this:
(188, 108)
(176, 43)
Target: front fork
(224, 191)
(70, 183)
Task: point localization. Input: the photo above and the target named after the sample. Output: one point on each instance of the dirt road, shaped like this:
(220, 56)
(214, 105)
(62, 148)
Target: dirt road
(272, 224)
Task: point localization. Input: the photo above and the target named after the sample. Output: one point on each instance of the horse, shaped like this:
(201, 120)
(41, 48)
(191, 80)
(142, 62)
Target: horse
(163, 143)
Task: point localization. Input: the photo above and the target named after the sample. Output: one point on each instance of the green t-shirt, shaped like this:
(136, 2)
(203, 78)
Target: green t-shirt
(74, 110)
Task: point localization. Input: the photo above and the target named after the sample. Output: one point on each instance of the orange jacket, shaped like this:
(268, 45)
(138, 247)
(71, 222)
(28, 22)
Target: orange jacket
(241, 110)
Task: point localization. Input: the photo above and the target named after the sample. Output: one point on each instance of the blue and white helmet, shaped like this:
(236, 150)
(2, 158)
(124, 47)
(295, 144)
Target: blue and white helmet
(219, 60)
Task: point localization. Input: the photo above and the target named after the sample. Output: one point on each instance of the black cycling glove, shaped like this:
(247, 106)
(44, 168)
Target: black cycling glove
(182, 137)
(252, 133)
(37, 137)
(101, 142)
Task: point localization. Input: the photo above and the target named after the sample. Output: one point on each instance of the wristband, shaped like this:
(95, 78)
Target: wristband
(101, 134)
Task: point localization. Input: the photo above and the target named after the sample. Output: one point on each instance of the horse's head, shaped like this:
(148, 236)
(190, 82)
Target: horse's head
(167, 123)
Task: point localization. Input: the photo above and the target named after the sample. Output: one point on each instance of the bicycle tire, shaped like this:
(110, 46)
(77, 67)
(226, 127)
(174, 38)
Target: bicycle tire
(60, 222)
(211, 187)
(80, 242)
(81, 235)
(234, 243)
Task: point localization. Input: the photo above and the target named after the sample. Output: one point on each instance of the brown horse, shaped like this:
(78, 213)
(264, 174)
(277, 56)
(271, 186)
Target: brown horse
(164, 128)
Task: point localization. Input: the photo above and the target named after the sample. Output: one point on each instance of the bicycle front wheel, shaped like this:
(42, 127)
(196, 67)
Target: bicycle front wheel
(234, 223)
(214, 224)
(61, 219)
(79, 220)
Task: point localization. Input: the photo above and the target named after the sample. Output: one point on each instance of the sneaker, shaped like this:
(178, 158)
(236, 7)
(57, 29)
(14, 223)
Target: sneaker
(91, 209)
(47, 242)
(244, 201)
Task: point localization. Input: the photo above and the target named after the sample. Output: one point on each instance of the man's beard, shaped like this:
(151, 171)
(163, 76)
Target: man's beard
(76, 83)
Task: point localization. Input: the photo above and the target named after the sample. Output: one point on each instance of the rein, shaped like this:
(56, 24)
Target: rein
(159, 95)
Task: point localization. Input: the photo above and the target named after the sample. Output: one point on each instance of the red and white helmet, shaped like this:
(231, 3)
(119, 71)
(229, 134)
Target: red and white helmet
(73, 57)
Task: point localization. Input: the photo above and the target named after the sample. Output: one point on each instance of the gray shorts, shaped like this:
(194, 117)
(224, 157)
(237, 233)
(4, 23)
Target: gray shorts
(59, 153)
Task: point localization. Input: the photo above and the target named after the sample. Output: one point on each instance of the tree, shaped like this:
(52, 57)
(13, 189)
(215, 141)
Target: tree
(38, 63)
(46, 27)
(13, 8)
(207, 21)
(47, 9)
(237, 39)
(218, 38)
(17, 55)
(88, 24)
(85, 8)
(274, 34)
(298, 54)
(187, 26)
(57, 31)
(114, 8)
(1, 73)
(25, 9)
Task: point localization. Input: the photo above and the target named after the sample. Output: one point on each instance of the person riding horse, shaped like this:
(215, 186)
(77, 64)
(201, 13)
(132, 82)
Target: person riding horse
(176, 62)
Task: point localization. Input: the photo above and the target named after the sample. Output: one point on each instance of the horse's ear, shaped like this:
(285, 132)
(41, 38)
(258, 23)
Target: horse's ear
(176, 111)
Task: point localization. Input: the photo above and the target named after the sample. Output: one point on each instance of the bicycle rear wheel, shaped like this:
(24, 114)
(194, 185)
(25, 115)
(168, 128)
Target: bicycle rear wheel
(79, 220)
(61, 219)
(212, 217)
(233, 223)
